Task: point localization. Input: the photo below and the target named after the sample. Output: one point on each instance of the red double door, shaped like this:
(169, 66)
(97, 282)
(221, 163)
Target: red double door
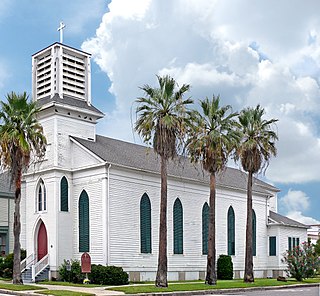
(42, 241)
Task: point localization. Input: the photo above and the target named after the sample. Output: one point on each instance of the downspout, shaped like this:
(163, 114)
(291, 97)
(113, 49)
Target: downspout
(108, 215)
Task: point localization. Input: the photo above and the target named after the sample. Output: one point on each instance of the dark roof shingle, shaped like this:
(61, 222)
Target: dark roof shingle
(143, 158)
(285, 220)
(67, 100)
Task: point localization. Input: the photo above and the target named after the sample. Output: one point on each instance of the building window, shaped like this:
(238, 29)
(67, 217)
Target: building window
(272, 246)
(84, 227)
(205, 228)
(145, 224)
(42, 197)
(64, 194)
(293, 242)
(231, 232)
(177, 227)
(3, 245)
(254, 233)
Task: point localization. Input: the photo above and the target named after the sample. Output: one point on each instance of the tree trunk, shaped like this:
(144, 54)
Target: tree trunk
(211, 277)
(248, 271)
(16, 277)
(161, 279)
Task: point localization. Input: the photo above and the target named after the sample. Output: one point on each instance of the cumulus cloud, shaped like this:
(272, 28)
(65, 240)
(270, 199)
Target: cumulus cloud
(295, 202)
(248, 54)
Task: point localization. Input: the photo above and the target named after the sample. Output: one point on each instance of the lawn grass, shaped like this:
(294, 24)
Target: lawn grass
(64, 293)
(13, 287)
(174, 287)
(57, 283)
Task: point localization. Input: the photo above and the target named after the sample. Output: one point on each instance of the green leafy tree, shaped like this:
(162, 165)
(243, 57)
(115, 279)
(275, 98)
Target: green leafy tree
(162, 117)
(317, 247)
(213, 137)
(20, 137)
(302, 261)
(255, 149)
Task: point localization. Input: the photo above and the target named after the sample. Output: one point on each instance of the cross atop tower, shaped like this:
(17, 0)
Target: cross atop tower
(62, 26)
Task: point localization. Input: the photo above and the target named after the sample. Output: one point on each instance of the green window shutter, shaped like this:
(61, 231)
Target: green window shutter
(231, 232)
(177, 227)
(145, 224)
(64, 195)
(297, 241)
(84, 230)
(272, 246)
(254, 233)
(294, 242)
(289, 244)
(205, 228)
(40, 198)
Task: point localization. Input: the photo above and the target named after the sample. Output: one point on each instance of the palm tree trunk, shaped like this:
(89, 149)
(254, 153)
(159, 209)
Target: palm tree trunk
(248, 271)
(16, 277)
(161, 279)
(211, 277)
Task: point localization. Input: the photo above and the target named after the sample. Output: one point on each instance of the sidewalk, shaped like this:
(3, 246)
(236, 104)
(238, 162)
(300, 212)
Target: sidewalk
(98, 291)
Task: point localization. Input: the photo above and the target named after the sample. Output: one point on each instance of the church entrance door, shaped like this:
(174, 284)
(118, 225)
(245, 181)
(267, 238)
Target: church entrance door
(42, 241)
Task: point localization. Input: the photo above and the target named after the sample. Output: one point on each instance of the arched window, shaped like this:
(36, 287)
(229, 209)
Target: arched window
(205, 228)
(64, 195)
(177, 227)
(42, 196)
(84, 230)
(254, 233)
(145, 224)
(231, 232)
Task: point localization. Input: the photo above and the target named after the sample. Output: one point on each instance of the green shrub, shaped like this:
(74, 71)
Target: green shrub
(6, 264)
(302, 261)
(108, 275)
(74, 275)
(225, 267)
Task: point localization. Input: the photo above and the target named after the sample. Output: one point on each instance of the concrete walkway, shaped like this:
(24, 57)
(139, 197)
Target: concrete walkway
(98, 291)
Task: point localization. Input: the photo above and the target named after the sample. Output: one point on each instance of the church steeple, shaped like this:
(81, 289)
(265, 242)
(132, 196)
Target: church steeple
(63, 70)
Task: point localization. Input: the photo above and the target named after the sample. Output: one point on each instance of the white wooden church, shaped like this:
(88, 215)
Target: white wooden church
(100, 195)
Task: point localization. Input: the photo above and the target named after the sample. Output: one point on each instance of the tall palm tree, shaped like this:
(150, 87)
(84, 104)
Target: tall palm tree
(162, 116)
(213, 136)
(255, 149)
(21, 138)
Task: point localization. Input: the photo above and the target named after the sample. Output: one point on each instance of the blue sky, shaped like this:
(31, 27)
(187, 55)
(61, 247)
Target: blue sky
(267, 52)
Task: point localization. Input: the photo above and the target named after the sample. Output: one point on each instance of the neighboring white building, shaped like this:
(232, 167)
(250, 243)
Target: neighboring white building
(6, 215)
(313, 233)
(100, 195)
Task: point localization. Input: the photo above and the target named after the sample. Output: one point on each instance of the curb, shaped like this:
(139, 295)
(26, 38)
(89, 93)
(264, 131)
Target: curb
(224, 291)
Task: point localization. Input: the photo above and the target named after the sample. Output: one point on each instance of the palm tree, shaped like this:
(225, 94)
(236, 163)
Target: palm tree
(20, 138)
(213, 136)
(162, 116)
(255, 149)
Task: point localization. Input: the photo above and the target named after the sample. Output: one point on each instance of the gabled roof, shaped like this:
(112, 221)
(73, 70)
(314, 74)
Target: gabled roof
(283, 220)
(6, 189)
(143, 158)
(68, 100)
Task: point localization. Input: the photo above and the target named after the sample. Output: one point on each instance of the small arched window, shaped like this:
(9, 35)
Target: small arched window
(177, 227)
(84, 228)
(42, 197)
(254, 233)
(145, 224)
(205, 228)
(231, 232)
(64, 194)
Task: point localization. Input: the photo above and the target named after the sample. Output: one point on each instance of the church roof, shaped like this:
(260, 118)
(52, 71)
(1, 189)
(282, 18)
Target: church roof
(285, 221)
(5, 188)
(143, 158)
(68, 100)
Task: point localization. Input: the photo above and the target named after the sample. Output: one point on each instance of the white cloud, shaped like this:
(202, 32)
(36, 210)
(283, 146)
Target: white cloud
(295, 200)
(298, 216)
(248, 54)
(294, 203)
